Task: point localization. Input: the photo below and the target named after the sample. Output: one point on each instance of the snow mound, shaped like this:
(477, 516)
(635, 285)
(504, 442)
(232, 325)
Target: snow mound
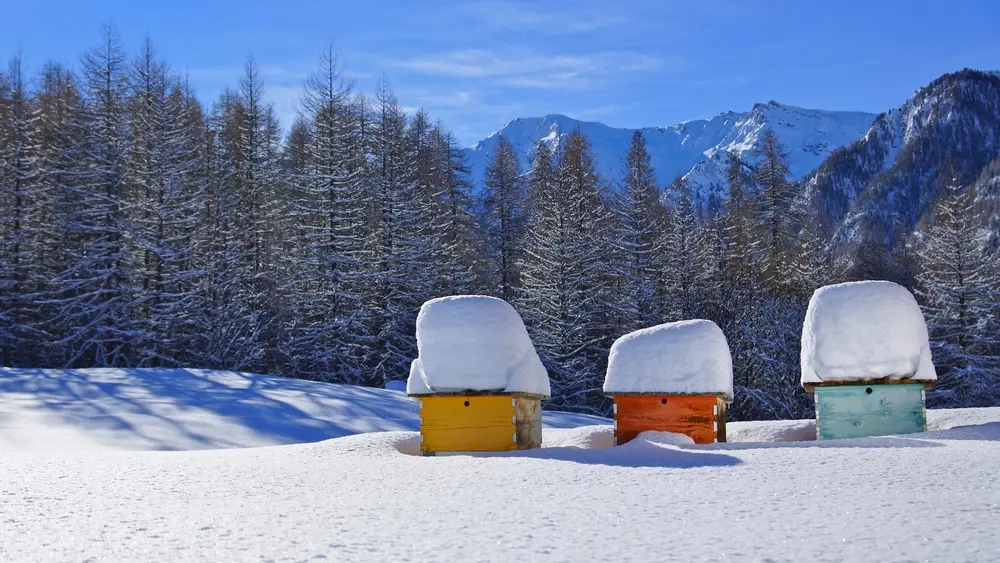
(661, 438)
(588, 437)
(474, 343)
(768, 431)
(686, 357)
(864, 330)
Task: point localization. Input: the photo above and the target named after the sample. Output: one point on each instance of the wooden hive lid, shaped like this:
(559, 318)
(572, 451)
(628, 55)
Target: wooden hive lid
(669, 394)
(928, 384)
(471, 393)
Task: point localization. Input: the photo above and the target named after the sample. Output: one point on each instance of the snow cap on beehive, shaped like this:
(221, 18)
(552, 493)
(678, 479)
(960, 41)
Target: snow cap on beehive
(860, 331)
(474, 343)
(682, 358)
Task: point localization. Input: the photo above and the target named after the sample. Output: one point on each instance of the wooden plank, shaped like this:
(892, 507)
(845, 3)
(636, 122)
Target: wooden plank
(528, 413)
(467, 423)
(693, 415)
(721, 434)
(853, 411)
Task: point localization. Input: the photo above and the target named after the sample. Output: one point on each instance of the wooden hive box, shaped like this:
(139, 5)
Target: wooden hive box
(701, 417)
(673, 377)
(869, 408)
(479, 422)
(866, 358)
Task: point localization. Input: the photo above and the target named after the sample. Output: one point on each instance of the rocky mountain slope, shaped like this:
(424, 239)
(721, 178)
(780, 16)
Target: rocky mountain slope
(883, 184)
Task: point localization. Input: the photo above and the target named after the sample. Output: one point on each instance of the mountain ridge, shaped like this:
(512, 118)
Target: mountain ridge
(695, 149)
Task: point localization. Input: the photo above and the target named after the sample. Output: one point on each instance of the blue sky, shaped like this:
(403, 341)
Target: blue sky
(479, 63)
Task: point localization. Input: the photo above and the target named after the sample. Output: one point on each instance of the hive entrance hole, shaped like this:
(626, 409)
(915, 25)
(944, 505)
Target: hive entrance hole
(467, 403)
(663, 401)
(868, 390)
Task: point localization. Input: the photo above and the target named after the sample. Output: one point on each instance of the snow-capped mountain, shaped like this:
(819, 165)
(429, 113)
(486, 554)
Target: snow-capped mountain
(884, 183)
(696, 149)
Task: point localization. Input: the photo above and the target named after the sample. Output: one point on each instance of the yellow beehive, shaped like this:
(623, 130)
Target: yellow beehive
(479, 421)
(477, 376)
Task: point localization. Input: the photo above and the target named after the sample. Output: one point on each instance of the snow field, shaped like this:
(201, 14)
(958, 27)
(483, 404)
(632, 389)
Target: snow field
(371, 497)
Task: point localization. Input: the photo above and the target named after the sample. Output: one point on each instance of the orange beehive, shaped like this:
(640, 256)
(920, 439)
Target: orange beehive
(702, 417)
(674, 377)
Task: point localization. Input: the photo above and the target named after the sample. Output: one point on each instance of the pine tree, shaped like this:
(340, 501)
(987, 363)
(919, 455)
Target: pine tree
(959, 286)
(639, 242)
(503, 200)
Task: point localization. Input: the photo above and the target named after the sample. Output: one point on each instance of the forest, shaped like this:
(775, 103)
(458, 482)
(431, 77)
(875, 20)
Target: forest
(141, 227)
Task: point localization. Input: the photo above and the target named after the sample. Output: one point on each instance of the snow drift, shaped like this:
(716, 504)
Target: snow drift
(687, 357)
(474, 343)
(864, 330)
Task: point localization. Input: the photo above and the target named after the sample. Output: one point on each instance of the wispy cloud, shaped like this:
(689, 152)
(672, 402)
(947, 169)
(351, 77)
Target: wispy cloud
(538, 17)
(719, 81)
(275, 73)
(567, 72)
(458, 98)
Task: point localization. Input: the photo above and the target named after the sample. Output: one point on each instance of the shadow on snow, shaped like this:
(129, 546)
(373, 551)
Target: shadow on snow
(280, 410)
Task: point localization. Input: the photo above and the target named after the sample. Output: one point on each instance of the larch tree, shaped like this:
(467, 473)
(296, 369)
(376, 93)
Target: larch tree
(685, 259)
(327, 215)
(401, 252)
(162, 205)
(638, 240)
(504, 196)
(98, 288)
(255, 150)
(57, 129)
(22, 222)
(453, 223)
(959, 286)
(775, 206)
(563, 298)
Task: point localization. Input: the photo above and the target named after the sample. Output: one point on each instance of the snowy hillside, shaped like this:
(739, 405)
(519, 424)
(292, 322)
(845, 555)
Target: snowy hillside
(695, 149)
(372, 497)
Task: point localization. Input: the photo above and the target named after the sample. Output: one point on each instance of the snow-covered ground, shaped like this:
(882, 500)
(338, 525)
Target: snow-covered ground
(67, 494)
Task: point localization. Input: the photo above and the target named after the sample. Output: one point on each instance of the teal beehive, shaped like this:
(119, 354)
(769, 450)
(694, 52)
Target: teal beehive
(866, 359)
(853, 411)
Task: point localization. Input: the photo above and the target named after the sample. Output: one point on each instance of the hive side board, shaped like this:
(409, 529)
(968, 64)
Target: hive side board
(697, 416)
(486, 424)
(850, 411)
(528, 425)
